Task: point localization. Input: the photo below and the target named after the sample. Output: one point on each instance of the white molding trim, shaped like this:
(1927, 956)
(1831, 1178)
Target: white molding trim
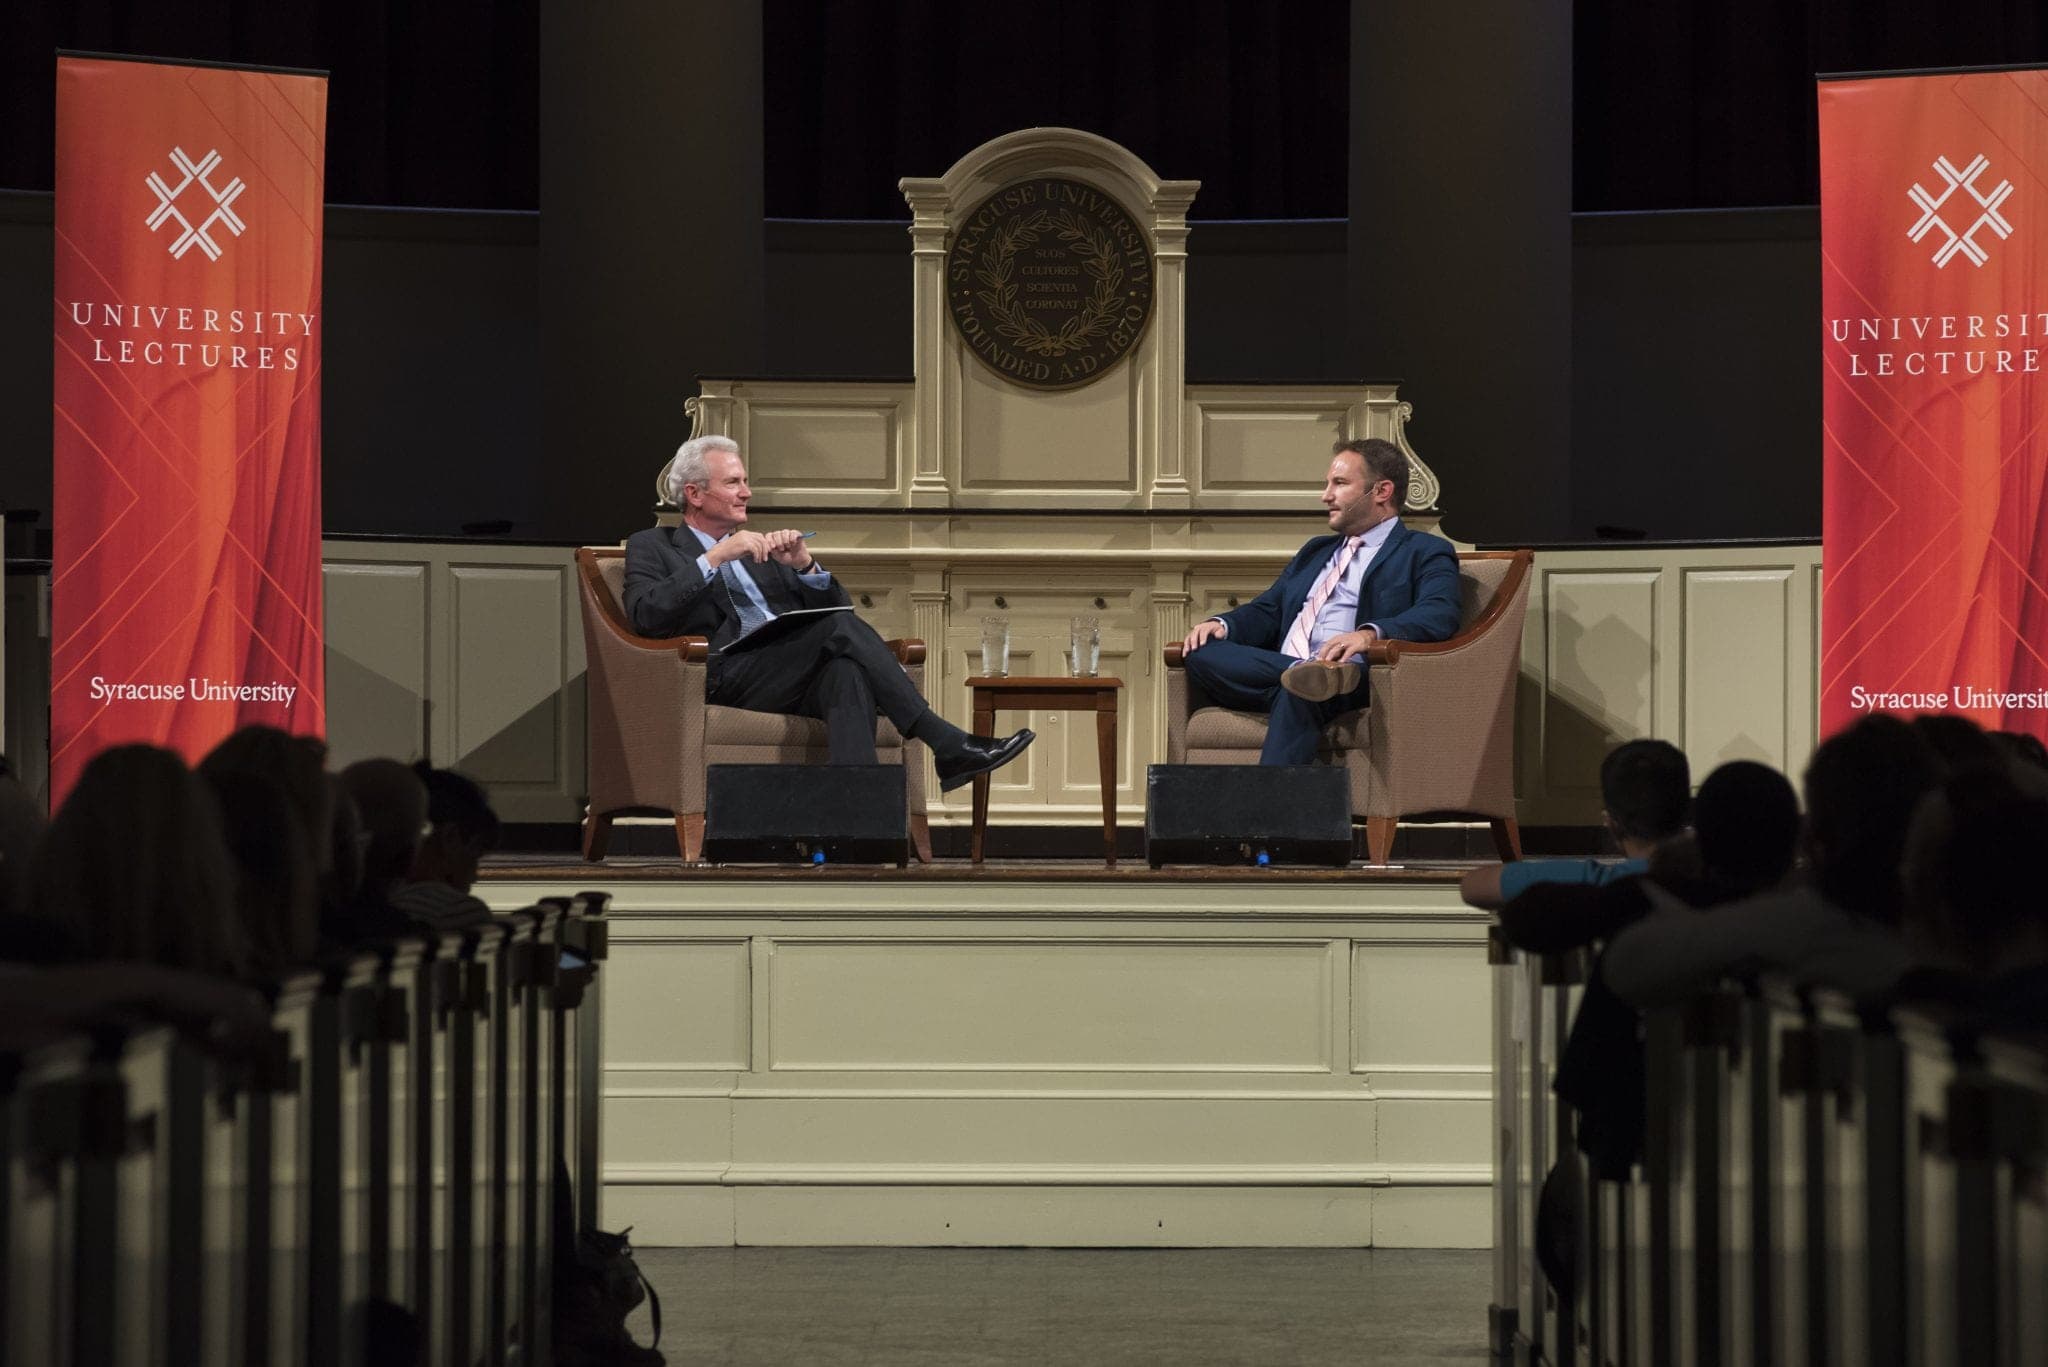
(1048, 1175)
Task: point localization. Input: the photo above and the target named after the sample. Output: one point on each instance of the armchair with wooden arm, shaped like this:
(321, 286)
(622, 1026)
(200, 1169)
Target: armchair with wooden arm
(1439, 737)
(652, 734)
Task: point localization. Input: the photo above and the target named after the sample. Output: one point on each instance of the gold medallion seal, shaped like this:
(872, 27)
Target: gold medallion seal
(1049, 282)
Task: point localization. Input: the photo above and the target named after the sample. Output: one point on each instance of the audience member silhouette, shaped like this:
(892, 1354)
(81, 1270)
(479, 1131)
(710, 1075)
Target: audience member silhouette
(134, 867)
(1646, 789)
(1745, 829)
(1958, 743)
(392, 804)
(274, 803)
(462, 828)
(342, 881)
(297, 764)
(2021, 749)
(1841, 929)
(1973, 907)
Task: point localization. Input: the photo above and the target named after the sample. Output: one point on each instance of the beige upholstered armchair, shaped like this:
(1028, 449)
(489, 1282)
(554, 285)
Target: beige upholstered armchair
(652, 733)
(1440, 734)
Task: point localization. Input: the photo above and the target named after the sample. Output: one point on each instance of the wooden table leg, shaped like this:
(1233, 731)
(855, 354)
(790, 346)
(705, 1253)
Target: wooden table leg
(1105, 757)
(984, 725)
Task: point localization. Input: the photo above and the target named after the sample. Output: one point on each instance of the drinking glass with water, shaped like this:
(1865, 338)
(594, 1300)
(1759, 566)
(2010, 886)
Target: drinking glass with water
(1084, 646)
(995, 647)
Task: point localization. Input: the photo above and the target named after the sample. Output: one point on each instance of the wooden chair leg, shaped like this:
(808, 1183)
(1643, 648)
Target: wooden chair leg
(597, 833)
(1507, 838)
(1379, 837)
(690, 835)
(921, 838)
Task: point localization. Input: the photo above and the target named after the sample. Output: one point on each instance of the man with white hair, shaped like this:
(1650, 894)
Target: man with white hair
(714, 577)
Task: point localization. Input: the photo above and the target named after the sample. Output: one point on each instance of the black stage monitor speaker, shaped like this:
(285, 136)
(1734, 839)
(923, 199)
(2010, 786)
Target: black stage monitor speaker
(805, 814)
(1247, 814)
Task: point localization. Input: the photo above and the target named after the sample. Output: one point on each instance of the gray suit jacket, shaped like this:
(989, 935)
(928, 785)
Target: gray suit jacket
(666, 595)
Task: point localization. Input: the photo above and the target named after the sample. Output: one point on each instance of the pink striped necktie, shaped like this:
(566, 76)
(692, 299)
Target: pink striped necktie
(1297, 640)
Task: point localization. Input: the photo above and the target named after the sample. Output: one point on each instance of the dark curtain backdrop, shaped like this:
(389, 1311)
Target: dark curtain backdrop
(1248, 96)
(1698, 104)
(1677, 103)
(434, 104)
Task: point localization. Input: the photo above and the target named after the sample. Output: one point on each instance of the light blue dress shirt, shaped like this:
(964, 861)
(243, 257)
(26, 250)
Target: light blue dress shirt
(751, 606)
(1340, 609)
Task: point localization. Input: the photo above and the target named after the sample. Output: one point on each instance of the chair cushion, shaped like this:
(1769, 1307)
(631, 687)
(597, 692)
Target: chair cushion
(1219, 728)
(737, 726)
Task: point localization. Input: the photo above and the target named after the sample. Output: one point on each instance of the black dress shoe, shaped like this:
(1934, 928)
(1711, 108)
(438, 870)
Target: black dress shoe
(981, 755)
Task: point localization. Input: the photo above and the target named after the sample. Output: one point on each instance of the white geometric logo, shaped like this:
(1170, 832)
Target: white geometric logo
(223, 213)
(1953, 243)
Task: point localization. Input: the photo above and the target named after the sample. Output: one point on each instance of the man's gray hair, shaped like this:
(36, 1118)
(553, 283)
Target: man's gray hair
(689, 466)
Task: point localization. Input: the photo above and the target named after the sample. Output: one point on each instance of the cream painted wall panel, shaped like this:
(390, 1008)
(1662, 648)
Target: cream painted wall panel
(1713, 681)
(1078, 781)
(1598, 638)
(1077, 1129)
(1035, 593)
(1430, 1133)
(1268, 448)
(883, 601)
(993, 1147)
(1738, 615)
(511, 654)
(1013, 439)
(376, 660)
(1025, 782)
(1420, 1006)
(1037, 1005)
(1211, 595)
(1109, 1217)
(664, 1215)
(676, 1004)
(1271, 539)
(643, 1132)
(1427, 1217)
(823, 446)
(814, 442)
(1058, 779)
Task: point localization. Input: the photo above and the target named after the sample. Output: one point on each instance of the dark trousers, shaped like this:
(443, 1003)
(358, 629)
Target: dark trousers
(834, 668)
(1247, 679)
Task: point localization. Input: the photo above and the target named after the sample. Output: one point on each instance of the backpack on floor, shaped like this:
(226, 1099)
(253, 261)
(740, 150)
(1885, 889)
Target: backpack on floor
(594, 1293)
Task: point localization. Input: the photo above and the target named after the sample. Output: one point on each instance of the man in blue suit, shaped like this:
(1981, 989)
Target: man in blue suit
(1297, 650)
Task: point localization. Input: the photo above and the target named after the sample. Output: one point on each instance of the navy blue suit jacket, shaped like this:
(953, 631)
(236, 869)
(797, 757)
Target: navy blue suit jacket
(1410, 590)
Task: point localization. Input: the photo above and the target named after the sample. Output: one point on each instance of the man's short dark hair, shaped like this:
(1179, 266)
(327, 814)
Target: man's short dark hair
(2019, 749)
(1746, 824)
(1646, 787)
(1971, 881)
(1861, 787)
(1383, 460)
(456, 800)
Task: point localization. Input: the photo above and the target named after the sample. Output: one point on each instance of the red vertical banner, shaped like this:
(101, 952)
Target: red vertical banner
(186, 591)
(1934, 295)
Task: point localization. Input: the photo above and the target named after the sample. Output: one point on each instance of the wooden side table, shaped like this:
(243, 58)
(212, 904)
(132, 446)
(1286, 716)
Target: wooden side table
(1053, 694)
